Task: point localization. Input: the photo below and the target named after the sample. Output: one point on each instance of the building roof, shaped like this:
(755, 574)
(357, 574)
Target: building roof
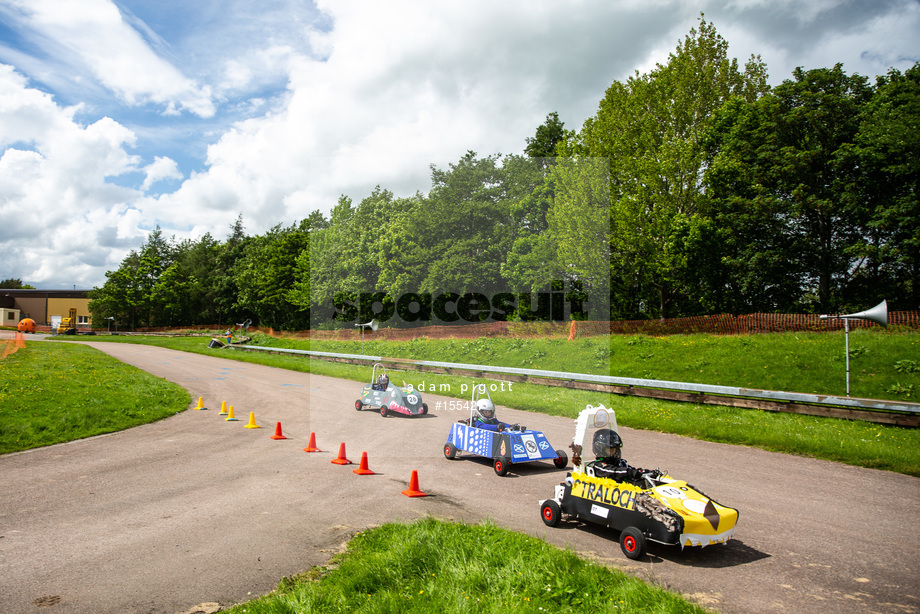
(31, 293)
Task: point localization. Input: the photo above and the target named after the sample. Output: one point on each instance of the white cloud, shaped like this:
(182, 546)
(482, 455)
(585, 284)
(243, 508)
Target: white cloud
(255, 69)
(54, 197)
(161, 168)
(375, 92)
(29, 115)
(395, 95)
(94, 32)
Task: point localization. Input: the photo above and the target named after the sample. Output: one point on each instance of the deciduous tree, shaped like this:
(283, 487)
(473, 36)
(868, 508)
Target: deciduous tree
(650, 130)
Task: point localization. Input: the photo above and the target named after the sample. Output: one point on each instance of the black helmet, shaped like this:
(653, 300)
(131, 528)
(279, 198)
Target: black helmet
(607, 444)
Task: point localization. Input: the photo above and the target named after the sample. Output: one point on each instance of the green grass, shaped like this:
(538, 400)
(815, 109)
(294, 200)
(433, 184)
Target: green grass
(854, 442)
(883, 364)
(53, 392)
(434, 566)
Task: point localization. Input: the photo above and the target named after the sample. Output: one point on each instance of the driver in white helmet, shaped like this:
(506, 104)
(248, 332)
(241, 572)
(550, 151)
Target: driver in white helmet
(484, 416)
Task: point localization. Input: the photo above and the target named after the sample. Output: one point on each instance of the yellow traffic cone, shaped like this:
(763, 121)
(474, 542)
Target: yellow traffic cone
(200, 404)
(230, 417)
(252, 421)
(223, 408)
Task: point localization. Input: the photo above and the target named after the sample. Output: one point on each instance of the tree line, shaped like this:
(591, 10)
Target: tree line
(695, 189)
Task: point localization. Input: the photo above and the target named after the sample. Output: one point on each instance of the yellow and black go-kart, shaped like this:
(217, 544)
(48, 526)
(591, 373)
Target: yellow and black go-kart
(642, 505)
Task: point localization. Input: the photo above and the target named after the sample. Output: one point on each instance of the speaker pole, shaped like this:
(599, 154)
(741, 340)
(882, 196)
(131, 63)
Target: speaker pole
(846, 331)
(362, 338)
(373, 324)
(878, 314)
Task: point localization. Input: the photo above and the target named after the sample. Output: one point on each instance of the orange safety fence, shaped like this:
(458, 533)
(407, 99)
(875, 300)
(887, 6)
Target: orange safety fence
(14, 344)
(720, 324)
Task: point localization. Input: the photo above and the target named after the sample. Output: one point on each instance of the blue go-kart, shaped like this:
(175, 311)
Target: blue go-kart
(505, 444)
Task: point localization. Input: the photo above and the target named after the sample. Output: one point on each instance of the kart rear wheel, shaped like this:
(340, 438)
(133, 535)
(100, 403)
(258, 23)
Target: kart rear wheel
(562, 460)
(424, 409)
(359, 404)
(500, 465)
(550, 512)
(632, 542)
(383, 412)
(450, 451)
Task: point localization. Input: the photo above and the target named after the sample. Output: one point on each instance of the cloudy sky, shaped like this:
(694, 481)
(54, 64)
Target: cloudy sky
(120, 115)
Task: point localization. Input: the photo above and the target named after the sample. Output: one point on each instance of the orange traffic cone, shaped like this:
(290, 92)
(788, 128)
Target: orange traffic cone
(278, 434)
(230, 417)
(252, 421)
(311, 447)
(340, 459)
(413, 490)
(363, 468)
(200, 404)
(223, 408)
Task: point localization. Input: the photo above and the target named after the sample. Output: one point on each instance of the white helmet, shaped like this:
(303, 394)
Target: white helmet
(485, 409)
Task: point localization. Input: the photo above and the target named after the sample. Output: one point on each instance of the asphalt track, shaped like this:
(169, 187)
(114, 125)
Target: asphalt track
(195, 509)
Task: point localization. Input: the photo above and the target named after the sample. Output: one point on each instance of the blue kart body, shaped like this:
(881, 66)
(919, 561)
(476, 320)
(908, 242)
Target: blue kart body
(504, 448)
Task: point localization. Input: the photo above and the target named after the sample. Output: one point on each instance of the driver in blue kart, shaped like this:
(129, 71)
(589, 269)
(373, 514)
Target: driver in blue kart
(609, 464)
(484, 418)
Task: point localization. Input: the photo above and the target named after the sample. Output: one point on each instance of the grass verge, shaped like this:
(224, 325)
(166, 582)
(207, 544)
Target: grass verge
(864, 444)
(436, 566)
(53, 392)
(883, 364)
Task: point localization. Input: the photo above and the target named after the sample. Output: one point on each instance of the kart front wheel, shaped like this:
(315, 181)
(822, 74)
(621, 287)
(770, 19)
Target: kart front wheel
(383, 412)
(500, 465)
(424, 409)
(562, 459)
(550, 512)
(632, 542)
(359, 404)
(450, 451)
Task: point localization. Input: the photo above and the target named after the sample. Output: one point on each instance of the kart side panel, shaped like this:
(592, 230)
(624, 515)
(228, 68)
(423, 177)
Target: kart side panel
(395, 399)
(619, 505)
(476, 441)
(528, 446)
(371, 397)
(403, 401)
(518, 447)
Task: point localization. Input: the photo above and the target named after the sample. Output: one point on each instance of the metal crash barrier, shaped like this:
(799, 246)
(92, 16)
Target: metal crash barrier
(872, 410)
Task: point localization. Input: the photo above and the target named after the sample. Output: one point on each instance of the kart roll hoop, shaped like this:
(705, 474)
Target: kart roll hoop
(375, 381)
(475, 396)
